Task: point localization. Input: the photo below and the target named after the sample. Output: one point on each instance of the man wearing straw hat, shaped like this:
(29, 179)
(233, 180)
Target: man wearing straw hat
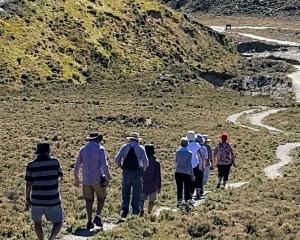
(95, 176)
(133, 160)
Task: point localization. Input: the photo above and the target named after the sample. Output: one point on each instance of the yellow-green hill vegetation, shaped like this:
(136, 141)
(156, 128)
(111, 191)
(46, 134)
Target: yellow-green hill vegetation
(71, 41)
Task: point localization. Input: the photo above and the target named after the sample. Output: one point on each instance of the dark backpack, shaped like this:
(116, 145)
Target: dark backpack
(131, 161)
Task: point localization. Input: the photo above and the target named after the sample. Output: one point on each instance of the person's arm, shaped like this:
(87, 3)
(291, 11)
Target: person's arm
(191, 170)
(119, 156)
(28, 188)
(60, 171)
(215, 155)
(159, 176)
(205, 156)
(77, 168)
(209, 151)
(232, 156)
(104, 163)
(144, 157)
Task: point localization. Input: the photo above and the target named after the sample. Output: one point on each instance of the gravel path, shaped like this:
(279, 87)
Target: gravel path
(296, 82)
(284, 43)
(257, 118)
(282, 153)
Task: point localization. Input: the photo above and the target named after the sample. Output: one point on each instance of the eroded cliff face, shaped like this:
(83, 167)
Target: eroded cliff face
(236, 7)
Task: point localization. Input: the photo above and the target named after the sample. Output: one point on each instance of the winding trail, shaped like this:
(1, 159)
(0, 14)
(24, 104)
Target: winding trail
(282, 153)
(296, 82)
(257, 118)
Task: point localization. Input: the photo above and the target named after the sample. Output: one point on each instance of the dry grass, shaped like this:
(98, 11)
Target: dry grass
(68, 115)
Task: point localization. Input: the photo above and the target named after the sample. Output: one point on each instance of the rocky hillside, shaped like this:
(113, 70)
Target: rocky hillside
(238, 7)
(77, 41)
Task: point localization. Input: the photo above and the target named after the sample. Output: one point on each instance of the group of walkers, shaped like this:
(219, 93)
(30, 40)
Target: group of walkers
(194, 161)
(141, 176)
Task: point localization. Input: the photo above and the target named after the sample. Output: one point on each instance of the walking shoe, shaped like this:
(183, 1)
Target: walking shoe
(142, 213)
(98, 221)
(124, 214)
(179, 203)
(198, 197)
(90, 225)
(218, 185)
(191, 201)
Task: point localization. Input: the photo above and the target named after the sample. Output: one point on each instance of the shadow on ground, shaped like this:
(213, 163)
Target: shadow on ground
(84, 232)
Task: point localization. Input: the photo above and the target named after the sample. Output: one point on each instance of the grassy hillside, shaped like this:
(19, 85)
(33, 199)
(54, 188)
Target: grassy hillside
(46, 41)
(236, 7)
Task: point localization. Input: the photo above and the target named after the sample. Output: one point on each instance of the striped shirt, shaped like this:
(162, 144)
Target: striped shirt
(43, 173)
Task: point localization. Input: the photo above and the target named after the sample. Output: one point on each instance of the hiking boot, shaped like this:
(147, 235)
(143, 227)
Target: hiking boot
(90, 225)
(198, 197)
(98, 221)
(142, 213)
(124, 214)
(218, 185)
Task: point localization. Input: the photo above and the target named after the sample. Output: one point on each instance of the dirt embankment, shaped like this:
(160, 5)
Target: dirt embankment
(237, 7)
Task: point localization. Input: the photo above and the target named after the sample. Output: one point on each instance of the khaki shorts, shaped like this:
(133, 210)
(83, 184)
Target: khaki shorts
(89, 191)
(151, 197)
(52, 214)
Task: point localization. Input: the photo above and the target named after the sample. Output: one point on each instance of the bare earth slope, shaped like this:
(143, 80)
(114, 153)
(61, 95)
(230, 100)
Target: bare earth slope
(237, 7)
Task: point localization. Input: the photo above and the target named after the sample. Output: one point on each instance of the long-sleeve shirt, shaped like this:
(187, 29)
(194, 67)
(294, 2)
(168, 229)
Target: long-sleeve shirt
(194, 148)
(139, 151)
(92, 159)
(183, 160)
(202, 154)
(152, 176)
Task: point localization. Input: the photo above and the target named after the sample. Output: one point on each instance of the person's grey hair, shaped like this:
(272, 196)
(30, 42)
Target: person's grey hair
(184, 142)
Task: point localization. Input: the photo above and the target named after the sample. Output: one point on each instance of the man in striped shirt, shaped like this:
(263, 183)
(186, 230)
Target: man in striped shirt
(42, 192)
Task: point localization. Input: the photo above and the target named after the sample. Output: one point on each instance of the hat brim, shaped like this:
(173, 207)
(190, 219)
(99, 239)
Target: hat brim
(133, 138)
(92, 138)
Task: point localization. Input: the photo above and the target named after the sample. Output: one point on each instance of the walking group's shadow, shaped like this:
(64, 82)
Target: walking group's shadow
(86, 232)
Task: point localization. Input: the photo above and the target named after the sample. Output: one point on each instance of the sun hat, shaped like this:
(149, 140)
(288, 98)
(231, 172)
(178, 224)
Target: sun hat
(184, 142)
(200, 139)
(134, 136)
(94, 136)
(224, 136)
(42, 148)
(150, 150)
(191, 136)
(206, 138)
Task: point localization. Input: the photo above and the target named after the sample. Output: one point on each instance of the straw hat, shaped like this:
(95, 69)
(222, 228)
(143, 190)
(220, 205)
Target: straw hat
(134, 136)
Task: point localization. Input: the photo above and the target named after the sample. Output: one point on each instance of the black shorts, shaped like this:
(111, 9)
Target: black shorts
(223, 171)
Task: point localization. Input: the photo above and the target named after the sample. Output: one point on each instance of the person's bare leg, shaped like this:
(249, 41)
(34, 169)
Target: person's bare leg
(89, 208)
(39, 229)
(55, 230)
(150, 206)
(100, 205)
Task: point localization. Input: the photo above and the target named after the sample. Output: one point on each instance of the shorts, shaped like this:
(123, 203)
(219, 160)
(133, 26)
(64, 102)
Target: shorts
(206, 175)
(89, 191)
(52, 214)
(150, 197)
